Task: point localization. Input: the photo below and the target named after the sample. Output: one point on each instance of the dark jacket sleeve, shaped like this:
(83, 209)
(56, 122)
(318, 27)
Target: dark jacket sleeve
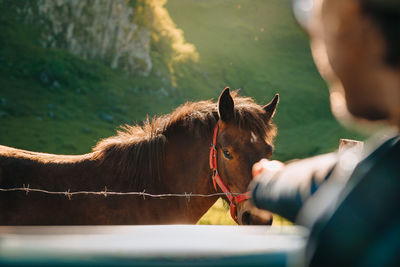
(286, 192)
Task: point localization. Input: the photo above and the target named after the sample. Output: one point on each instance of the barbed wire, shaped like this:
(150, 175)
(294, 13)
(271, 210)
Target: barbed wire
(106, 193)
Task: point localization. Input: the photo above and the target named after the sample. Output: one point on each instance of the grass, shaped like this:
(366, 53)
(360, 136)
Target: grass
(219, 214)
(52, 101)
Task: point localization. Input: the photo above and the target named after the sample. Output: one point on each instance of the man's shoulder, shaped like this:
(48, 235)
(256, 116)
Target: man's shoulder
(368, 206)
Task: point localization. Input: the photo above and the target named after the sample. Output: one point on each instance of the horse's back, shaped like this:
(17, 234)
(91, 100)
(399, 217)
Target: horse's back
(10, 158)
(18, 166)
(22, 168)
(16, 153)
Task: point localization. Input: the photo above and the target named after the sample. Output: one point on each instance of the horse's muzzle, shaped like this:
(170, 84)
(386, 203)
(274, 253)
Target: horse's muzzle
(247, 214)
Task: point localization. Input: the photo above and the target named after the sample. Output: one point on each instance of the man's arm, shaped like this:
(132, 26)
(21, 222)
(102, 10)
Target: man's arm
(283, 189)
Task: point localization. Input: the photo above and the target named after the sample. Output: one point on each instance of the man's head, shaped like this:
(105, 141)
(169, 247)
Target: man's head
(355, 46)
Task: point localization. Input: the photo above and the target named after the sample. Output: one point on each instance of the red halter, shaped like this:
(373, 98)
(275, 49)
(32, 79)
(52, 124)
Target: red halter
(234, 200)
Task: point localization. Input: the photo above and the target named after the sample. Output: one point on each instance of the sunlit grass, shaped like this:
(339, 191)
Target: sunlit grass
(219, 214)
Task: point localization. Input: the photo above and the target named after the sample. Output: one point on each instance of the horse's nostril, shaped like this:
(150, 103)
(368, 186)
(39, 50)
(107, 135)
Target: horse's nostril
(269, 222)
(246, 218)
(256, 219)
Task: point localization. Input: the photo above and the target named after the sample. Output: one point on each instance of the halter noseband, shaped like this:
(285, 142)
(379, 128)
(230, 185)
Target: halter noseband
(234, 200)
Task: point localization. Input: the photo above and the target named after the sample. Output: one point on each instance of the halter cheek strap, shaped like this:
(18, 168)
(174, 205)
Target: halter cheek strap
(234, 200)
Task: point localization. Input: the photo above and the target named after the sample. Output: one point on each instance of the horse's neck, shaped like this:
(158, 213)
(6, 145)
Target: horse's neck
(187, 171)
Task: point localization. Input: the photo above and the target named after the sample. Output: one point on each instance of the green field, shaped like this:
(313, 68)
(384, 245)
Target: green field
(52, 101)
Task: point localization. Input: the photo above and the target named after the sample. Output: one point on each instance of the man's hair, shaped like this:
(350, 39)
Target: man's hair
(386, 14)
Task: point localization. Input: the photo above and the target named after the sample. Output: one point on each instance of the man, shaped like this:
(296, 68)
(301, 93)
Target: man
(349, 201)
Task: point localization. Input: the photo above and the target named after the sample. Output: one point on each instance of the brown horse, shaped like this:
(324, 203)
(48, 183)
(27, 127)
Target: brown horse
(170, 154)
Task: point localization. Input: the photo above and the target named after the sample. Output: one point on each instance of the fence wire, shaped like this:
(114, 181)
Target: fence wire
(106, 193)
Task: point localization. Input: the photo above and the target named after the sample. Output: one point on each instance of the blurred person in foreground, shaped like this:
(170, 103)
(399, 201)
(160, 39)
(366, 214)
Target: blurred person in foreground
(349, 200)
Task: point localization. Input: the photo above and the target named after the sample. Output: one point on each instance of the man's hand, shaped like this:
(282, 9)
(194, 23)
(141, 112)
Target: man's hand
(267, 167)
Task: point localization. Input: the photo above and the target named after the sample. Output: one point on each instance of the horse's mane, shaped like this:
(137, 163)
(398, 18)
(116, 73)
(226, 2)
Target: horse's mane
(137, 152)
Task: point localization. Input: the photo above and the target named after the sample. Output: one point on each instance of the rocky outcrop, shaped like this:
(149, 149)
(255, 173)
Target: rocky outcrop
(119, 32)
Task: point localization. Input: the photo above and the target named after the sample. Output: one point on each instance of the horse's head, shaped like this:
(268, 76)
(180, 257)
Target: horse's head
(245, 135)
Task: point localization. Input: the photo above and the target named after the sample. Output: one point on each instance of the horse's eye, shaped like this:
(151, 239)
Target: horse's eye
(227, 154)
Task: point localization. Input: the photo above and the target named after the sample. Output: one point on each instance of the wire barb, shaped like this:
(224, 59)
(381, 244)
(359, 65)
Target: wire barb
(105, 191)
(68, 194)
(26, 189)
(188, 196)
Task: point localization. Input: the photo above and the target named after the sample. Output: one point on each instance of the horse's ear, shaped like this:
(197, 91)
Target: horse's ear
(270, 108)
(225, 105)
